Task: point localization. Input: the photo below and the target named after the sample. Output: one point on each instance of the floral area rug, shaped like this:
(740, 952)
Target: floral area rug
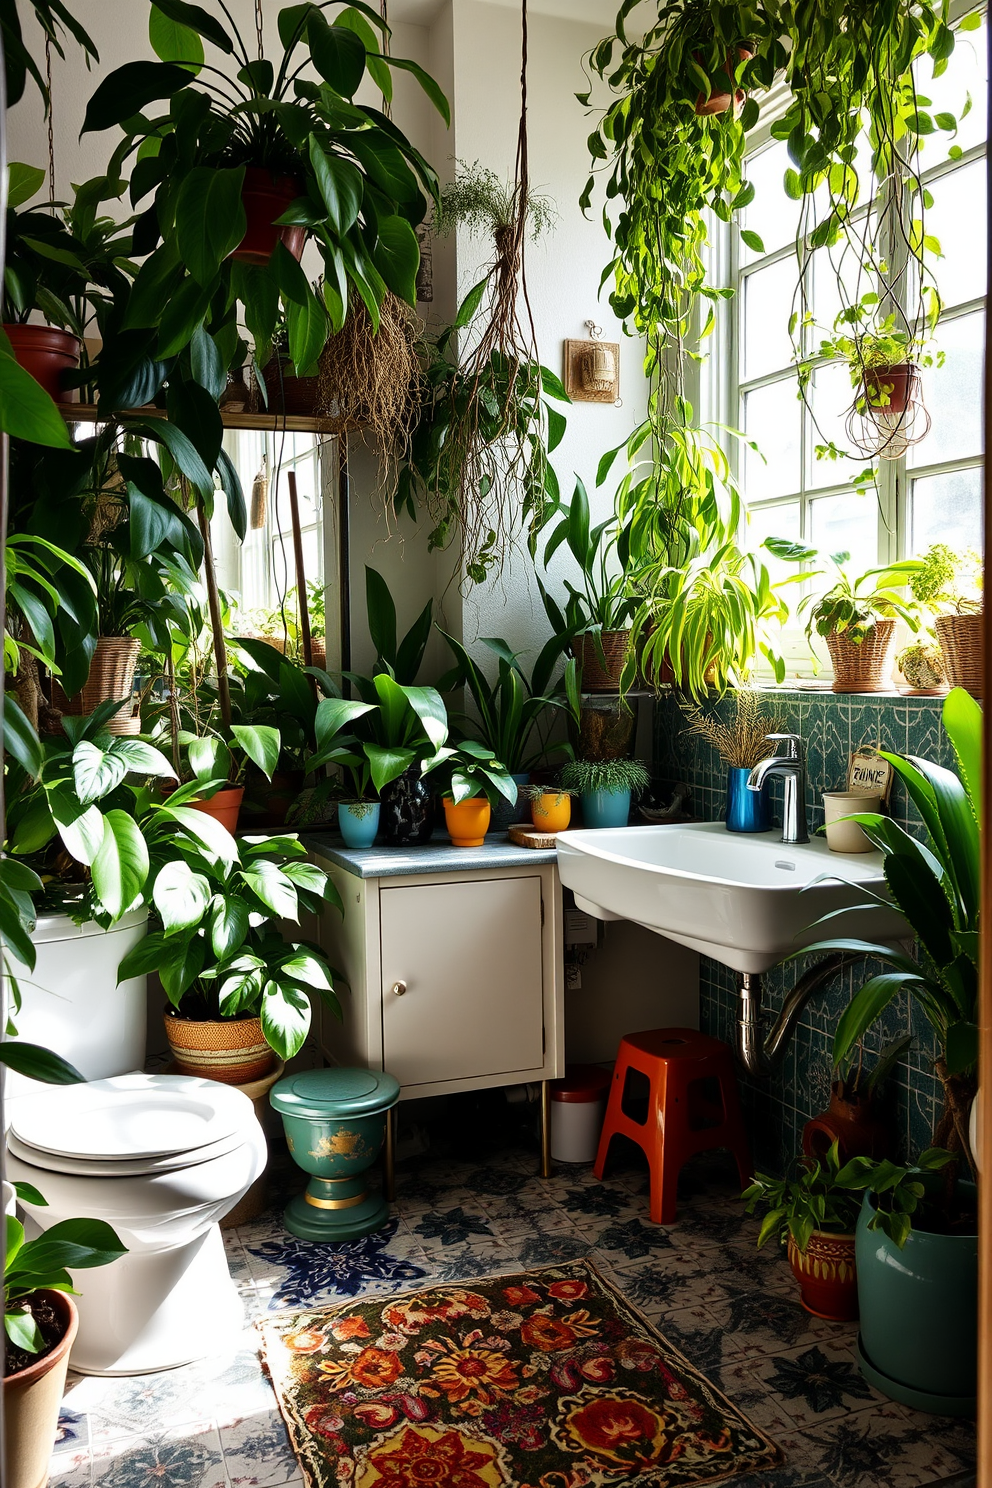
(545, 1379)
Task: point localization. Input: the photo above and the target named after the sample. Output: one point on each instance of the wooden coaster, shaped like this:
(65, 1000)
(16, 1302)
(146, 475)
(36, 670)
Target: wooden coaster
(525, 835)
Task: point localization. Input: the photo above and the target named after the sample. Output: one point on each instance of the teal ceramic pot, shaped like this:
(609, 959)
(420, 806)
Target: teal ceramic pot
(919, 1305)
(505, 814)
(605, 808)
(335, 1125)
(747, 810)
(358, 822)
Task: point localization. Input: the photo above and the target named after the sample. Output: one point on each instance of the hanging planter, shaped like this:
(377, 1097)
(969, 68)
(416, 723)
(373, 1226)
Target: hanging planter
(48, 354)
(368, 378)
(722, 95)
(265, 197)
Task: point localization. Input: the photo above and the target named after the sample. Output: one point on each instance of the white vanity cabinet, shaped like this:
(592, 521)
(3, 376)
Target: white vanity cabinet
(450, 980)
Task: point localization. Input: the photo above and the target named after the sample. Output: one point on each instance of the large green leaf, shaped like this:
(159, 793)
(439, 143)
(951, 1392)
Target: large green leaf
(22, 182)
(198, 20)
(307, 326)
(261, 744)
(127, 90)
(38, 1063)
(430, 87)
(96, 772)
(962, 717)
(275, 890)
(26, 410)
(19, 737)
(387, 762)
(173, 41)
(340, 184)
(210, 218)
(285, 1014)
(397, 257)
(120, 868)
(180, 896)
(381, 613)
(228, 924)
(866, 1006)
(337, 53)
(209, 833)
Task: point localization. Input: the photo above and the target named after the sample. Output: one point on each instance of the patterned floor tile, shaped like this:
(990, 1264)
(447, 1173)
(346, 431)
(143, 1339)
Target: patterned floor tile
(257, 1453)
(188, 1458)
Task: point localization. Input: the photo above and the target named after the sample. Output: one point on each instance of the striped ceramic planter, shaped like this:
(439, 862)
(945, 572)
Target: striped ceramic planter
(232, 1050)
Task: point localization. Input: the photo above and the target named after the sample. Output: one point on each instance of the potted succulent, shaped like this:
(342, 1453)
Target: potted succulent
(596, 616)
(40, 1322)
(814, 1214)
(922, 665)
(550, 806)
(949, 586)
(239, 991)
(605, 787)
(856, 615)
(293, 159)
(471, 780)
(741, 743)
(935, 885)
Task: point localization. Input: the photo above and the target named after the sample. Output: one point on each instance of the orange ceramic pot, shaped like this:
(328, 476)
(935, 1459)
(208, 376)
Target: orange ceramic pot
(828, 1280)
(467, 821)
(223, 807)
(231, 1050)
(551, 812)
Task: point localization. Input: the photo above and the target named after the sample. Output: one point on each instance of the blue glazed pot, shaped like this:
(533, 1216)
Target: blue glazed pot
(747, 810)
(504, 815)
(919, 1305)
(605, 808)
(358, 822)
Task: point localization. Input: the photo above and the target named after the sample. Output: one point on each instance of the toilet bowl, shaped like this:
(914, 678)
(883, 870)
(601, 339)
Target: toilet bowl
(161, 1158)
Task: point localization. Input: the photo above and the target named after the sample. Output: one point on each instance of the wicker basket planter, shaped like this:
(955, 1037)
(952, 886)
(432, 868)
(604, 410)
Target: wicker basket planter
(111, 678)
(960, 638)
(231, 1050)
(596, 677)
(866, 667)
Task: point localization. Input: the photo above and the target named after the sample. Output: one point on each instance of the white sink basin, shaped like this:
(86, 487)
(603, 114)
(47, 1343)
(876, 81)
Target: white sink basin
(733, 897)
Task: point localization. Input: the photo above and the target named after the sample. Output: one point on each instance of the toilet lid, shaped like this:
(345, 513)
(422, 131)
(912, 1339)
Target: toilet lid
(128, 1167)
(130, 1117)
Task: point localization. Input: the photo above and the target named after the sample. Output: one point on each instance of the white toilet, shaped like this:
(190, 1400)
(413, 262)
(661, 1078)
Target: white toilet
(162, 1158)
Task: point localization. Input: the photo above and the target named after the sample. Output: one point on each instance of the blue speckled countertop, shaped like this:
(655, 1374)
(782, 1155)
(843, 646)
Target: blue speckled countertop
(436, 856)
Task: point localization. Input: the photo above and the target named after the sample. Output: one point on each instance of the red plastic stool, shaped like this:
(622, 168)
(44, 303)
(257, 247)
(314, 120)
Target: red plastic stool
(674, 1060)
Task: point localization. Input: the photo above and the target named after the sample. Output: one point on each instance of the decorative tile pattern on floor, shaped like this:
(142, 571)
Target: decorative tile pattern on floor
(733, 1311)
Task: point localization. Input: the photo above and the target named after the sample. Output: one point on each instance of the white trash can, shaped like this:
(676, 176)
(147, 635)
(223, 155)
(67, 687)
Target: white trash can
(578, 1104)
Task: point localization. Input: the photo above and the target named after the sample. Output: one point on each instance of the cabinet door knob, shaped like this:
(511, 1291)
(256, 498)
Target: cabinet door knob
(399, 988)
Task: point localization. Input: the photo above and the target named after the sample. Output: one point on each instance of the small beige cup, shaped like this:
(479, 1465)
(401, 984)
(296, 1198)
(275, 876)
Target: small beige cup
(847, 836)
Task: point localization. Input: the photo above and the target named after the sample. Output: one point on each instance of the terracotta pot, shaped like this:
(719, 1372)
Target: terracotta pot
(231, 1050)
(866, 667)
(551, 812)
(265, 197)
(318, 651)
(111, 678)
(224, 807)
(963, 650)
(31, 1401)
(891, 389)
(722, 98)
(467, 821)
(48, 354)
(853, 1124)
(597, 677)
(827, 1277)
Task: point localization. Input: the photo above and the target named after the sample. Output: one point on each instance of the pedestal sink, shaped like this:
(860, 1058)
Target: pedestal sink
(747, 901)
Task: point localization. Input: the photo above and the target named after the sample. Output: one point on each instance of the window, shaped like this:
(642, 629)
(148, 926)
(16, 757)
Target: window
(934, 491)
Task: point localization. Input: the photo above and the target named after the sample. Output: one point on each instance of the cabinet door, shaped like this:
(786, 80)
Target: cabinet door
(470, 955)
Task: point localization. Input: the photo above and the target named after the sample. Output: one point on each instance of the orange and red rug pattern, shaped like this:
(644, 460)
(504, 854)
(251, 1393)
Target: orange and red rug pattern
(545, 1379)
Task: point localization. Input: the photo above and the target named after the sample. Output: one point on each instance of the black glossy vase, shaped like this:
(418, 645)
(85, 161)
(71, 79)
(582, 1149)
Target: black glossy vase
(407, 815)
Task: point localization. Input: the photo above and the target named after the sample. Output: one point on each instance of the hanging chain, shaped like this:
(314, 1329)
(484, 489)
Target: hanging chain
(387, 107)
(51, 132)
(258, 27)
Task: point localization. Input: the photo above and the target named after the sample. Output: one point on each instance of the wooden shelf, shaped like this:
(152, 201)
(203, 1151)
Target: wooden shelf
(86, 413)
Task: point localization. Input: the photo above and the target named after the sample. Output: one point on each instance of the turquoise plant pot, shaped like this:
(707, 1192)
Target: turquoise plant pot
(358, 822)
(605, 808)
(335, 1125)
(919, 1338)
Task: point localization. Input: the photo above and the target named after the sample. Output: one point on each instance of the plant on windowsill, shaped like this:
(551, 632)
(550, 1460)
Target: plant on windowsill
(605, 787)
(949, 586)
(471, 780)
(922, 665)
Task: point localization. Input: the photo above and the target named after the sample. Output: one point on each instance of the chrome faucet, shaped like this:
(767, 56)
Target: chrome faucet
(791, 765)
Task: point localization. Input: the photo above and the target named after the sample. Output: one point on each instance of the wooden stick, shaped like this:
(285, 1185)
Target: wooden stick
(301, 578)
(213, 600)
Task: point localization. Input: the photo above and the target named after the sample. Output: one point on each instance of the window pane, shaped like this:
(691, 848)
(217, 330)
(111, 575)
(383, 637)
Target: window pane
(839, 281)
(773, 521)
(772, 215)
(966, 74)
(831, 397)
(953, 394)
(767, 307)
(948, 508)
(847, 522)
(957, 218)
(772, 419)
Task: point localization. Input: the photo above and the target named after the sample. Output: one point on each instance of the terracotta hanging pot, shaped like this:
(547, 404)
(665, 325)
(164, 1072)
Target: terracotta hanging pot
(853, 1124)
(891, 389)
(231, 1050)
(828, 1280)
(265, 197)
(48, 354)
(721, 97)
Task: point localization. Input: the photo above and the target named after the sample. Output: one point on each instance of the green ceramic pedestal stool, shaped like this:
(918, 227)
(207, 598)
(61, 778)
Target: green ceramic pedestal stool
(335, 1124)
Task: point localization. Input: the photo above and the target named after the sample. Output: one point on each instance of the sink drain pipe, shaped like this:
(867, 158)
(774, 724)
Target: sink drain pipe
(759, 1056)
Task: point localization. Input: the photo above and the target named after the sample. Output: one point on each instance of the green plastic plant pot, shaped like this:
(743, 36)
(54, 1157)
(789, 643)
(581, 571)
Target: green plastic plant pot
(335, 1125)
(919, 1305)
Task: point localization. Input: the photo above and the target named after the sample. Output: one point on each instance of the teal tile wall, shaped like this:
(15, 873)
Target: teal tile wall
(832, 727)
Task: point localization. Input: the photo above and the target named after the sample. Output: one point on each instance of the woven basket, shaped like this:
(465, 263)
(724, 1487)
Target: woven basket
(866, 667)
(960, 638)
(111, 677)
(232, 1050)
(615, 646)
